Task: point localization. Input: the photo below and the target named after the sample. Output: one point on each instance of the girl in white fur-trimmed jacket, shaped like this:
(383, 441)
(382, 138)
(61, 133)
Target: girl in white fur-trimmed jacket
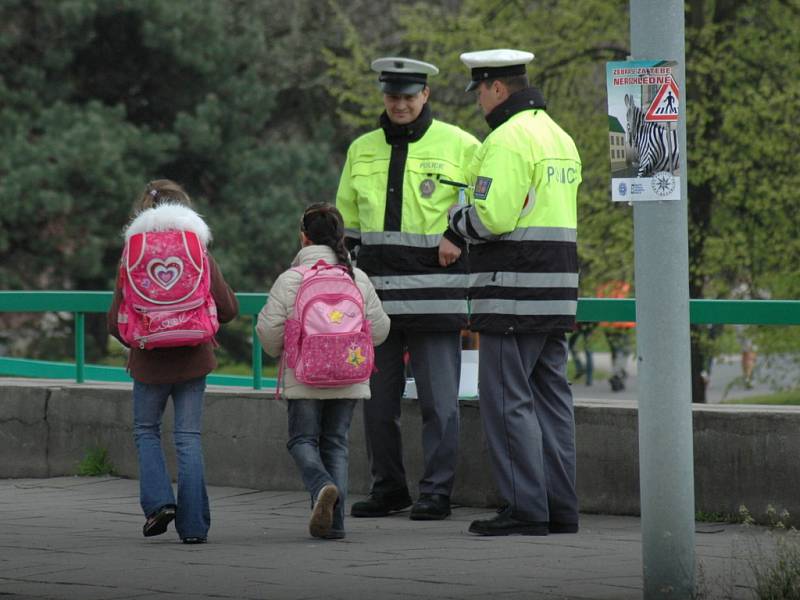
(179, 372)
(319, 418)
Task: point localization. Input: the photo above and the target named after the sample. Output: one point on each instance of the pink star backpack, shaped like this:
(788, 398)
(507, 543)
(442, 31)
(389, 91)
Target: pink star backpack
(327, 338)
(166, 291)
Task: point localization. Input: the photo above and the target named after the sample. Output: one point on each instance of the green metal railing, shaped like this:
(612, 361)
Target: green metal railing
(746, 312)
(80, 303)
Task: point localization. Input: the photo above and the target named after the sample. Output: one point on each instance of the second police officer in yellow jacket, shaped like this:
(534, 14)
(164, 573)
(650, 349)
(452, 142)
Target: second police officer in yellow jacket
(524, 289)
(395, 207)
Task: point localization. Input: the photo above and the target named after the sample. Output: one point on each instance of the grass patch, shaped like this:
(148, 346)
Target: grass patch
(788, 397)
(96, 462)
(777, 577)
(702, 516)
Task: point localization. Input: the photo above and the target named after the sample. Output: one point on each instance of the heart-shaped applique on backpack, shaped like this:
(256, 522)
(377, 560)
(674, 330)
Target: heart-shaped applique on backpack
(166, 272)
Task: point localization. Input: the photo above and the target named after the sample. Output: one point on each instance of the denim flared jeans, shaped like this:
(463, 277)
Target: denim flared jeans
(193, 517)
(318, 443)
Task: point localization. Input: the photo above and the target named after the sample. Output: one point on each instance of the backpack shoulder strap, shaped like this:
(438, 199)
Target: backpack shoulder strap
(322, 265)
(194, 249)
(134, 250)
(303, 270)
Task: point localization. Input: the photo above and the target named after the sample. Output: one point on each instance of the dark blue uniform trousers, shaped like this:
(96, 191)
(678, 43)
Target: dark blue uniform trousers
(527, 416)
(436, 364)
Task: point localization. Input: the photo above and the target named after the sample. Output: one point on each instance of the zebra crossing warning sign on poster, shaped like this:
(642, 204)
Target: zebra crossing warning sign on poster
(643, 108)
(665, 105)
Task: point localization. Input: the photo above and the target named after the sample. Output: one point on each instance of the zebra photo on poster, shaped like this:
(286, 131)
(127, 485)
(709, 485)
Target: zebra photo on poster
(643, 111)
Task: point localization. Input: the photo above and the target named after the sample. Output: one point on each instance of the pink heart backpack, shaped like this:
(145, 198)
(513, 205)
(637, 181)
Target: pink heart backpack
(166, 291)
(327, 338)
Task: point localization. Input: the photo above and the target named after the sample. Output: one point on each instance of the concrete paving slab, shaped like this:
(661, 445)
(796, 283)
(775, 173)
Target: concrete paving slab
(78, 537)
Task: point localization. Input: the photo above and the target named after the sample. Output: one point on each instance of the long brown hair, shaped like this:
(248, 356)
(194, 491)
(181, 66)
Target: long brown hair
(160, 191)
(323, 224)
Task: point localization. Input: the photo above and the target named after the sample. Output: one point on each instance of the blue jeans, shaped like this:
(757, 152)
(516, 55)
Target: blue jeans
(193, 517)
(318, 433)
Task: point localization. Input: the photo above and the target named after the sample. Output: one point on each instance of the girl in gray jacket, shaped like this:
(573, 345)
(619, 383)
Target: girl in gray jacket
(319, 418)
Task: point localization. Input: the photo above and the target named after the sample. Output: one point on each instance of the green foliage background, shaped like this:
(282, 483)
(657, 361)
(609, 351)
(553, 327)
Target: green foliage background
(251, 104)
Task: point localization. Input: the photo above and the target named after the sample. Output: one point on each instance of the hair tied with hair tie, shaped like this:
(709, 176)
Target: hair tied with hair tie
(153, 193)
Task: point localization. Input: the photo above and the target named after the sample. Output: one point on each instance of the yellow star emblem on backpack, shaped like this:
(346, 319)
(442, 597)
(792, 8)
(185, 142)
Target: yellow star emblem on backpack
(335, 316)
(355, 357)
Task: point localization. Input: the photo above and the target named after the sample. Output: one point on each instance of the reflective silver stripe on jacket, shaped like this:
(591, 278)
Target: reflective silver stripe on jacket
(535, 234)
(469, 214)
(478, 225)
(524, 280)
(422, 240)
(401, 238)
(523, 307)
(420, 281)
(425, 307)
(541, 234)
(352, 233)
(521, 234)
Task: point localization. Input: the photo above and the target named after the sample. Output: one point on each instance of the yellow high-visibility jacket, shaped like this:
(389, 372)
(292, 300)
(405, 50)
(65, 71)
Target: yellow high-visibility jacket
(395, 207)
(522, 223)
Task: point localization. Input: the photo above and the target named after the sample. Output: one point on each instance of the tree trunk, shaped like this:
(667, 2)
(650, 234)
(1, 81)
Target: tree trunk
(699, 360)
(701, 200)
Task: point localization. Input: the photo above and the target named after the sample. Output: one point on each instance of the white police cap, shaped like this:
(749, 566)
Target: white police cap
(492, 64)
(401, 75)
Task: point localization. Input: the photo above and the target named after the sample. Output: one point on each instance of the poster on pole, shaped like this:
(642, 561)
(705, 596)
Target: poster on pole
(643, 112)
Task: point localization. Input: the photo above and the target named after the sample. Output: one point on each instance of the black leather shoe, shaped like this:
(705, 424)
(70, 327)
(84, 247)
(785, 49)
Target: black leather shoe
(430, 507)
(380, 504)
(157, 523)
(560, 527)
(617, 384)
(505, 524)
(194, 540)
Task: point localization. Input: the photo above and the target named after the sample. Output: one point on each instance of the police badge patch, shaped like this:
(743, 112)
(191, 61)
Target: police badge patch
(482, 185)
(426, 188)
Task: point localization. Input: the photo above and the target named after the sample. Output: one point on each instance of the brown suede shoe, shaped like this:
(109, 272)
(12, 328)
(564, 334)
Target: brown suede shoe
(322, 514)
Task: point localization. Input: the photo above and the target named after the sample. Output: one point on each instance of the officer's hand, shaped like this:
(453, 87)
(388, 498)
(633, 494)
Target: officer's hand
(448, 252)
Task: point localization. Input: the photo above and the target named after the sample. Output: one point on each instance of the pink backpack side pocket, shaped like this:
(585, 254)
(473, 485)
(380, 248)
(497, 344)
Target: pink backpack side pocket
(291, 342)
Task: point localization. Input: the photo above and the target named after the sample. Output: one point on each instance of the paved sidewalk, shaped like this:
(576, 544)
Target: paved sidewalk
(80, 538)
(725, 383)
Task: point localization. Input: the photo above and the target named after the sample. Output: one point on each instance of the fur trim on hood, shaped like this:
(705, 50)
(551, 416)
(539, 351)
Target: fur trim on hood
(168, 216)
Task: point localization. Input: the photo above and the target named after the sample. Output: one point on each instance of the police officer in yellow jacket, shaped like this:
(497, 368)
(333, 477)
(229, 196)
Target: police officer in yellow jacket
(394, 203)
(521, 224)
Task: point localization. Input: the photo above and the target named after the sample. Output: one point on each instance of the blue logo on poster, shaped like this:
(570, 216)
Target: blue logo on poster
(623, 189)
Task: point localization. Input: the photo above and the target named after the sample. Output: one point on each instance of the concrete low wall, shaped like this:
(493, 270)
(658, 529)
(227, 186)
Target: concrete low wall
(743, 455)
